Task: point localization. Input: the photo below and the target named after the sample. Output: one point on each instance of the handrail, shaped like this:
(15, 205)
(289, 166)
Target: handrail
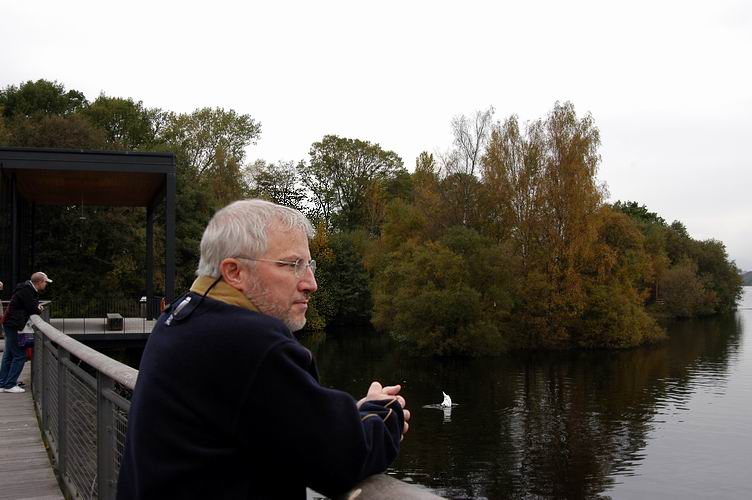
(117, 371)
(84, 418)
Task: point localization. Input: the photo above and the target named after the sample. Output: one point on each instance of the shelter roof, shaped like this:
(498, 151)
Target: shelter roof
(95, 178)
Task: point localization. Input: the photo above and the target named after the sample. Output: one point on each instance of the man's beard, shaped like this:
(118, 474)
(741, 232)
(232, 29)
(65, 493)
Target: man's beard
(258, 295)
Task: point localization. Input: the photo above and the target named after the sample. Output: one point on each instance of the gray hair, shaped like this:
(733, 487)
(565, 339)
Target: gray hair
(240, 228)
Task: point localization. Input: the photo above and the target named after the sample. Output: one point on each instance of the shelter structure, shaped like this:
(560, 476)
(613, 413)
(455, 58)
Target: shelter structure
(36, 176)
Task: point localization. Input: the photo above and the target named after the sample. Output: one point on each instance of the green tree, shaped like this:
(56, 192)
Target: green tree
(340, 174)
(684, 293)
(447, 297)
(322, 306)
(4, 133)
(639, 212)
(348, 283)
(55, 131)
(210, 137)
(88, 246)
(42, 97)
(44, 114)
(127, 124)
(719, 275)
(209, 145)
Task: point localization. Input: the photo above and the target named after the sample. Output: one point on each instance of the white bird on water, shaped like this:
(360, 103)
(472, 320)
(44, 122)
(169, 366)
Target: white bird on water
(447, 403)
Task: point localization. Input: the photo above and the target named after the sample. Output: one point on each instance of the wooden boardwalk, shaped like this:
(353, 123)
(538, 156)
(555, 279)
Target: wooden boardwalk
(25, 469)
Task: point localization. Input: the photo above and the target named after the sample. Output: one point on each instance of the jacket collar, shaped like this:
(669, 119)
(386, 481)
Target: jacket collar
(221, 292)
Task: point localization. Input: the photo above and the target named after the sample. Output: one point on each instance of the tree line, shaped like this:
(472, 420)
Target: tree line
(504, 241)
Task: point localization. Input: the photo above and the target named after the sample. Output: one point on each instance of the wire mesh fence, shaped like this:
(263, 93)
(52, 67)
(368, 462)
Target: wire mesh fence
(99, 307)
(83, 398)
(106, 314)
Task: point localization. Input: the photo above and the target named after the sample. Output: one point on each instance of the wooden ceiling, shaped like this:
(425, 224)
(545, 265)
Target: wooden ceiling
(94, 178)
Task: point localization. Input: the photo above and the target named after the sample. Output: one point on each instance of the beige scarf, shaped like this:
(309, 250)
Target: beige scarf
(222, 292)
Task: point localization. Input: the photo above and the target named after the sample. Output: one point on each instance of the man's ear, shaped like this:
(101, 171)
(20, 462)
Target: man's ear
(232, 273)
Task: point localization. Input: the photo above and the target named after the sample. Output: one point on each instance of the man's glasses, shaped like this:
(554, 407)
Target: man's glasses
(299, 266)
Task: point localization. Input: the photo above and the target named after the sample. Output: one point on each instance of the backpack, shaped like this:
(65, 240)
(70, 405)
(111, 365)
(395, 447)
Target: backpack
(4, 313)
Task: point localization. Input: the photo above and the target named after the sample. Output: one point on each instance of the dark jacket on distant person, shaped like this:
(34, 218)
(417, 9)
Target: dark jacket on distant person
(228, 406)
(23, 303)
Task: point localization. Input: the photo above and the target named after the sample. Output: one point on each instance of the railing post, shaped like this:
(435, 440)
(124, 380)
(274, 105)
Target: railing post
(46, 383)
(62, 411)
(37, 364)
(105, 438)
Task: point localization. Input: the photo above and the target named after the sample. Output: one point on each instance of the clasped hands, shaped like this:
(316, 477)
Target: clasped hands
(377, 392)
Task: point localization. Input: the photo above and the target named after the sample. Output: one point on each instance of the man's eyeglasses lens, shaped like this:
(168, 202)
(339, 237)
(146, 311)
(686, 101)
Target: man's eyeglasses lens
(300, 267)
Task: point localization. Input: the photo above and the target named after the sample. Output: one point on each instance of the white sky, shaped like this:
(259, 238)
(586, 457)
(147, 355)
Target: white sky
(669, 83)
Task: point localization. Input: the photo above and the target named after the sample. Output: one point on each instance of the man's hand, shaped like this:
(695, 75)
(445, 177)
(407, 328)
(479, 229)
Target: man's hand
(379, 393)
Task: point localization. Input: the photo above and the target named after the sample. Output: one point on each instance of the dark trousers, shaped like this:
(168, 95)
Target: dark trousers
(14, 358)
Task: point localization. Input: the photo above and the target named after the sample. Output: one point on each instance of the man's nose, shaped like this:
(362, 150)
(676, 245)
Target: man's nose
(308, 282)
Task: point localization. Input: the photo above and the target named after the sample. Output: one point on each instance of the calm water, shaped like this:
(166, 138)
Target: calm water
(664, 422)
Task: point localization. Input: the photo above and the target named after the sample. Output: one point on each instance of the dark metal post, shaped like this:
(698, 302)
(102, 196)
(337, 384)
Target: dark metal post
(106, 478)
(33, 237)
(170, 198)
(150, 262)
(14, 232)
(46, 384)
(62, 411)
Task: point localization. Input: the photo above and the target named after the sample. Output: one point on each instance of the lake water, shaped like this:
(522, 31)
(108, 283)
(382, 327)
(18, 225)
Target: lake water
(671, 421)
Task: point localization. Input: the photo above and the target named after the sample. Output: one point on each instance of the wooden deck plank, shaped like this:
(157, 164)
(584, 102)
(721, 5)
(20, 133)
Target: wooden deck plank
(25, 469)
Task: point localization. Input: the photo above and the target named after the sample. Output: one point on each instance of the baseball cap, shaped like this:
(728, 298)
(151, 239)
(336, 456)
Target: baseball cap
(42, 276)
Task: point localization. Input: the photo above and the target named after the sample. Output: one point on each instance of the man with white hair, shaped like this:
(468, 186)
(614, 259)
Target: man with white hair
(23, 303)
(268, 429)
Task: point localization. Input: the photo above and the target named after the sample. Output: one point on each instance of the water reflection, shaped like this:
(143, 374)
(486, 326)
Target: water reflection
(446, 410)
(552, 425)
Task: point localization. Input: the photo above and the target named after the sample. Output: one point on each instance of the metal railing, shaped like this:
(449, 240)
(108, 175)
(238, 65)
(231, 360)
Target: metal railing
(75, 315)
(98, 307)
(83, 398)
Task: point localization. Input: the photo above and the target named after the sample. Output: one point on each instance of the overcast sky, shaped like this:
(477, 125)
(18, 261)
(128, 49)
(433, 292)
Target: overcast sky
(669, 83)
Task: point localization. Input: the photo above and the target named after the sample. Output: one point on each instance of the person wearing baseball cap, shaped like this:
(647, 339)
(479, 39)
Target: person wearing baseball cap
(23, 303)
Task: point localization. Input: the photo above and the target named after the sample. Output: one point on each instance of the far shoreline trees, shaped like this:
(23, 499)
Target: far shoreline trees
(504, 242)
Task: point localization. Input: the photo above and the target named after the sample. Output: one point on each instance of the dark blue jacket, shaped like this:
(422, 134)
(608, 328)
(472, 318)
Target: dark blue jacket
(23, 303)
(228, 406)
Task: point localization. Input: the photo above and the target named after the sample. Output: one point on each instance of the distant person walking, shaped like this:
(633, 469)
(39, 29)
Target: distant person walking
(23, 303)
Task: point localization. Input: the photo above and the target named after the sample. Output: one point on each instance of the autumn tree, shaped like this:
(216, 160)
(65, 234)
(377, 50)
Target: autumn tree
(427, 196)
(513, 173)
(541, 192)
(617, 280)
(712, 280)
